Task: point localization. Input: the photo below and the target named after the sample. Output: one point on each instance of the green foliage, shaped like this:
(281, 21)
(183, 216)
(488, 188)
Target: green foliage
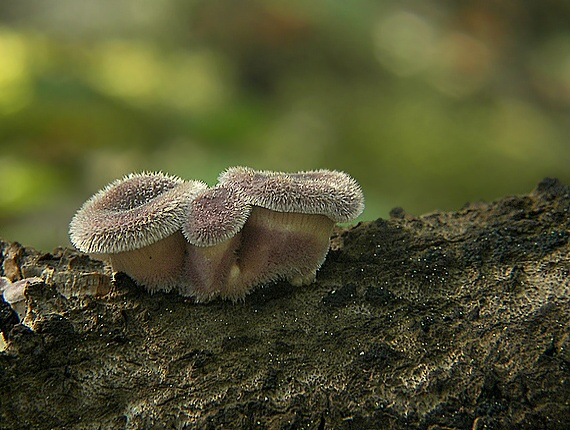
(426, 104)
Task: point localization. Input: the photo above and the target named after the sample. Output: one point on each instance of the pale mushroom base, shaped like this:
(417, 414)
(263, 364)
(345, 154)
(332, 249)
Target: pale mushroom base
(281, 245)
(272, 245)
(158, 267)
(207, 268)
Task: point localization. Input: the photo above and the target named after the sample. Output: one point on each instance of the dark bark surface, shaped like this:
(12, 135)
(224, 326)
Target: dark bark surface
(447, 320)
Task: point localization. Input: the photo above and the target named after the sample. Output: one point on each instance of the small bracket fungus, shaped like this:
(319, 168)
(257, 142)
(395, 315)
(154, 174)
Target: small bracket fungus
(135, 223)
(251, 228)
(213, 231)
(287, 234)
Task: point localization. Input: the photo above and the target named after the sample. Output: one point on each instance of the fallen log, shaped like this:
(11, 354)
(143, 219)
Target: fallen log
(446, 320)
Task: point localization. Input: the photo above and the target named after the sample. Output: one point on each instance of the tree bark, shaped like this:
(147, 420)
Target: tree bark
(447, 320)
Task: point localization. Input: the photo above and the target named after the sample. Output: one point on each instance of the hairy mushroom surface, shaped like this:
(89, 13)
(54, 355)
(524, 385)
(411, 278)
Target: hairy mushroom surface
(287, 234)
(135, 223)
(213, 227)
(331, 193)
(253, 227)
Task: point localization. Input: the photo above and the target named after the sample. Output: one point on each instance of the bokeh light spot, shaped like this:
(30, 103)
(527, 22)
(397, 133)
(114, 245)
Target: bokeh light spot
(15, 85)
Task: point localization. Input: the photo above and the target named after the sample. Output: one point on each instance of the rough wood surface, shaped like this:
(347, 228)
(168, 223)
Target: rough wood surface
(447, 320)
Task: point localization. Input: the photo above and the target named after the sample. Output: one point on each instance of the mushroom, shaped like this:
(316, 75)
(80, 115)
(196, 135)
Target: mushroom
(287, 234)
(253, 227)
(135, 223)
(324, 192)
(213, 230)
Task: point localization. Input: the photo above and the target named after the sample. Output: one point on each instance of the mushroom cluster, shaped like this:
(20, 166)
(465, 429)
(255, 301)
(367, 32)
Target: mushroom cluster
(251, 228)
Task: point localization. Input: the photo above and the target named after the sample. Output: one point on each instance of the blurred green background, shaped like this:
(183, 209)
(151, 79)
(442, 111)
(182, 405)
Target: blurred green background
(428, 104)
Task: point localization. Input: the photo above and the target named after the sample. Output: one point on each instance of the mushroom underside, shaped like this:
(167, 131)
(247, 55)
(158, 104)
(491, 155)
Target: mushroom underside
(252, 228)
(272, 245)
(159, 267)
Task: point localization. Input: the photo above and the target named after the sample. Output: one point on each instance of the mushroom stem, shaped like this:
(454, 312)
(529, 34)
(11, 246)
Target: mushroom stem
(157, 266)
(208, 267)
(279, 245)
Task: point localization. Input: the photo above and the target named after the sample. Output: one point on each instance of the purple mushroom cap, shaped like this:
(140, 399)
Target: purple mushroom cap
(215, 215)
(324, 192)
(132, 213)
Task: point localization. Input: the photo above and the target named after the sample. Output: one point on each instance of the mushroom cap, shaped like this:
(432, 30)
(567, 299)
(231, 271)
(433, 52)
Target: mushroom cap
(133, 212)
(331, 193)
(215, 215)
